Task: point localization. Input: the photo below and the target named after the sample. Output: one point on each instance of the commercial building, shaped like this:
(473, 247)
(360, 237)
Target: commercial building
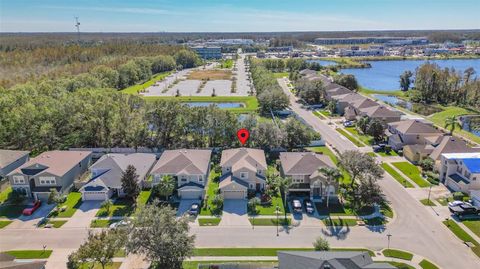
(208, 53)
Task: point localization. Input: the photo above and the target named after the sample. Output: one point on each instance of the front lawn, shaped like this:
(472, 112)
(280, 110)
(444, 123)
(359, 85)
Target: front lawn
(55, 223)
(209, 221)
(208, 209)
(399, 254)
(473, 225)
(401, 265)
(270, 221)
(102, 223)
(281, 74)
(5, 194)
(4, 223)
(427, 202)
(339, 209)
(355, 141)
(366, 139)
(74, 200)
(30, 254)
(338, 222)
(270, 208)
(459, 232)
(412, 172)
(425, 264)
(144, 197)
(397, 176)
(113, 265)
(387, 154)
(120, 208)
(444, 201)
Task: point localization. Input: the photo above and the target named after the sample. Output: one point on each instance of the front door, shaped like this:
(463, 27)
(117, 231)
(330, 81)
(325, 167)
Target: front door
(258, 187)
(316, 191)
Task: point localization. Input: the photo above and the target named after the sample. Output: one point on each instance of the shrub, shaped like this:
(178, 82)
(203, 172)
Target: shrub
(321, 244)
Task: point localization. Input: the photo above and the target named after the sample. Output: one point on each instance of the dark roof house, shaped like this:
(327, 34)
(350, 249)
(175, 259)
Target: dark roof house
(328, 259)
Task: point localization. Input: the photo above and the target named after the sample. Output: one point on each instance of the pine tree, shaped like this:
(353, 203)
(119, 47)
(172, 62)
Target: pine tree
(130, 183)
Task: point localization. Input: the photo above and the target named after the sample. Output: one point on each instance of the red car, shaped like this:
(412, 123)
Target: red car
(29, 210)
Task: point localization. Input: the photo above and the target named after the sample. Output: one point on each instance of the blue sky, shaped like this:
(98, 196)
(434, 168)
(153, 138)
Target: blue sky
(236, 15)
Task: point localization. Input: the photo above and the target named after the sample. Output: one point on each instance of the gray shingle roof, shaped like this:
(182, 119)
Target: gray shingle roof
(57, 162)
(9, 156)
(183, 161)
(303, 163)
(244, 157)
(336, 260)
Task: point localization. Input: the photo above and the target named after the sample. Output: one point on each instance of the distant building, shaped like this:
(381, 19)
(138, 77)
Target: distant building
(208, 53)
(460, 171)
(356, 40)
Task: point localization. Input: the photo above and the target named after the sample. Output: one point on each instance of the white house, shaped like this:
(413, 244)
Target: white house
(460, 171)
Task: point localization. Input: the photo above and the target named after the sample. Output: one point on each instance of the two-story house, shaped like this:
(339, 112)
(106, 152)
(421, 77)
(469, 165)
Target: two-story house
(50, 170)
(243, 169)
(412, 132)
(105, 176)
(460, 171)
(190, 168)
(11, 160)
(303, 169)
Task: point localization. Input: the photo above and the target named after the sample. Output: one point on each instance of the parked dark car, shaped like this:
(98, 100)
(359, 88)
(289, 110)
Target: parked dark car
(308, 206)
(297, 206)
(463, 209)
(194, 208)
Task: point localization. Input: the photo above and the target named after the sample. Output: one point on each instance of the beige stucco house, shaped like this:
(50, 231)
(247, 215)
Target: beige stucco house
(243, 169)
(190, 168)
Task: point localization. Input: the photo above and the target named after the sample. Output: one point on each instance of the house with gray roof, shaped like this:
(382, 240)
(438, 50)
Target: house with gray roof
(104, 177)
(328, 260)
(56, 169)
(189, 167)
(8, 261)
(11, 160)
(381, 113)
(243, 170)
(450, 144)
(303, 169)
(411, 132)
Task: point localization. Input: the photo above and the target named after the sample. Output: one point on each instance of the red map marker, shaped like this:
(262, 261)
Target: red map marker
(243, 135)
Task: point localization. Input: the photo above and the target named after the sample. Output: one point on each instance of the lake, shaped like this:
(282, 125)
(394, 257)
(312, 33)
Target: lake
(322, 62)
(385, 75)
(219, 104)
(421, 109)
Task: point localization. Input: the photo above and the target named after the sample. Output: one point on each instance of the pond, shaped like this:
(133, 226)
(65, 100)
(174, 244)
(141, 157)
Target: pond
(471, 124)
(421, 109)
(219, 104)
(385, 75)
(322, 62)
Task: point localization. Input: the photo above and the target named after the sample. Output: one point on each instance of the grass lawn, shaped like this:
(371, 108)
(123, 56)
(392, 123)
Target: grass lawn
(209, 221)
(227, 64)
(138, 87)
(281, 74)
(4, 223)
(113, 265)
(366, 139)
(412, 172)
(338, 209)
(269, 209)
(397, 176)
(440, 117)
(120, 208)
(385, 154)
(459, 232)
(399, 254)
(11, 211)
(195, 264)
(251, 102)
(324, 150)
(270, 221)
(425, 264)
(143, 198)
(210, 75)
(212, 190)
(57, 223)
(401, 265)
(473, 225)
(444, 201)
(355, 141)
(74, 200)
(4, 194)
(30, 254)
(338, 222)
(427, 202)
(102, 223)
(375, 221)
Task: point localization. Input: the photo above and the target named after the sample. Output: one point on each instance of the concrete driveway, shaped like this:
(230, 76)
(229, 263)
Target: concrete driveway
(234, 213)
(185, 205)
(84, 215)
(25, 222)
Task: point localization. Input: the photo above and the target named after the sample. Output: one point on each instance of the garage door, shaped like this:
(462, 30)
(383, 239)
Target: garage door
(94, 196)
(234, 194)
(190, 194)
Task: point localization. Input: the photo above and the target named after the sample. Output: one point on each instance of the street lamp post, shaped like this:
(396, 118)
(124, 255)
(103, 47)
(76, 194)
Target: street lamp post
(277, 211)
(429, 191)
(388, 244)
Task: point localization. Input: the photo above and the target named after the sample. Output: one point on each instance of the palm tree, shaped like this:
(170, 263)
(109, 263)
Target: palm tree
(284, 183)
(332, 175)
(451, 123)
(166, 186)
(362, 124)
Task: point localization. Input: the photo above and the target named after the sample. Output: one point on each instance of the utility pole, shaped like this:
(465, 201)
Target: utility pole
(388, 245)
(77, 25)
(277, 211)
(429, 191)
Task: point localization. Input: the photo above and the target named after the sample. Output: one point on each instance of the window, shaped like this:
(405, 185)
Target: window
(243, 174)
(200, 178)
(18, 180)
(47, 181)
(259, 172)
